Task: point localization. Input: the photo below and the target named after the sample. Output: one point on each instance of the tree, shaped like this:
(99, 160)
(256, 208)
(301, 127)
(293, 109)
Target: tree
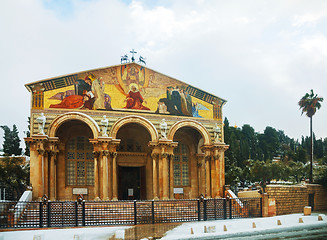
(14, 175)
(28, 134)
(11, 141)
(309, 104)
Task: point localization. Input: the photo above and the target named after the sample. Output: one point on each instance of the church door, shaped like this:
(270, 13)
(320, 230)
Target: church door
(131, 183)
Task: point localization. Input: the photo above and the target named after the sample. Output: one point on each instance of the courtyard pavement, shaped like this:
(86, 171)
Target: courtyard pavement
(285, 226)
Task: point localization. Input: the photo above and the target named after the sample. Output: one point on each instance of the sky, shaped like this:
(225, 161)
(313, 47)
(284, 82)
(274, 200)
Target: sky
(261, 56)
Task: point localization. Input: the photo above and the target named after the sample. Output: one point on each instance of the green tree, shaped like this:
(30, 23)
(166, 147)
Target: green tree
(14, 175)
(11, 141)
(309, 104)
(28, 134)
(269, 143)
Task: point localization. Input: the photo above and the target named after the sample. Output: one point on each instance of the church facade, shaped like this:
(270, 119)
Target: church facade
(124, 132)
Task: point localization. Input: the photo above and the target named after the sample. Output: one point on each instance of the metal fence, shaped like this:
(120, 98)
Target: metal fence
(15, 214)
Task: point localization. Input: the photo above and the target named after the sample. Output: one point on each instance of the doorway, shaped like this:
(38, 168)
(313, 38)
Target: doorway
(131, 183)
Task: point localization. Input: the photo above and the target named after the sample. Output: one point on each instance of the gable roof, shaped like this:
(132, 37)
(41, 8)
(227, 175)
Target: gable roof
(70, 79)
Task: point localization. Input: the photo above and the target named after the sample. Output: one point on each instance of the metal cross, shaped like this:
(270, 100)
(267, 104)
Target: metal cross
(132, 52)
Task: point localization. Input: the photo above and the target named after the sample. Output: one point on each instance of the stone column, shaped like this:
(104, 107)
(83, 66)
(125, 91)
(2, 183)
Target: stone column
(213, 177)
(222, 173)
(217, 177)
(171, 176)
(165, 179)
(208, 176)
(41, 153)
(114, 177)
(201, 174)
(96, 175)
(155, 157)
(105, 174)
(46, 172)
(110, 176)
(52, 178)
(160, 180)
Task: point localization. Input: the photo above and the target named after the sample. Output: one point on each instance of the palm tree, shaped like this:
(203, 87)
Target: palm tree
(309, 104)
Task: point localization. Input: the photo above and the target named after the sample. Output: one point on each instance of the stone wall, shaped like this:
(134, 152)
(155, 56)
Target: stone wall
(292, 199)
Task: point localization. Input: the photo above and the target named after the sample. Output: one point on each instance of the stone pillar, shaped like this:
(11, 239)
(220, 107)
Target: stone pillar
(160, 171)
(53, 180)
(155, 157)
(46, 179)
(41, 189)
(110, 176)
(217, 186)
(96, 175)
(165, 179)
(52, 155)
(213, 177)
(38, 145)
(219, 176)
(208, 176)
(265, 205)
(114, 177)
(105, 174)
(171, 176)
(201, 174)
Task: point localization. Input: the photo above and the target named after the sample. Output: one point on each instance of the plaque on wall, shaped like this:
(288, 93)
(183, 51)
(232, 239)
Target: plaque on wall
(178, 191)
(130, 192)
(82, 191)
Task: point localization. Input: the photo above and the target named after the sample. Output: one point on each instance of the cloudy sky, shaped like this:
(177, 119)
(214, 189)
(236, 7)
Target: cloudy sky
(261, 56)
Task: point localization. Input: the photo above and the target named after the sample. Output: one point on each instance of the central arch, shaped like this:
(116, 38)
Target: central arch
(193, 124)
(57, 122)
(138, 120)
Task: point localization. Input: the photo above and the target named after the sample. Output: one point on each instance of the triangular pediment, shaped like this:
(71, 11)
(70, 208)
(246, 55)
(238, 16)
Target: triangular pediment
(126, 87)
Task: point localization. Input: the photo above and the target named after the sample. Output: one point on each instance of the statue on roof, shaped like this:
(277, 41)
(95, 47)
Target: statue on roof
(142, 60)
(124, 59)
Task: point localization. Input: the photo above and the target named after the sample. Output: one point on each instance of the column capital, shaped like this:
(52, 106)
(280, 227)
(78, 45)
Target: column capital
(41, 151)
(105, 153)
(96, 154)
(164, 155)
(113, 154)
(155, 155)
(220, 147)
(200, 157)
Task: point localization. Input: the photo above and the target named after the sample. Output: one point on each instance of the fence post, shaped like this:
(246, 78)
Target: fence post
(76, 213)
(135, 212)
(205, 209)
(215, 208)
(83, 213)
(230, 208)
(225, 208)
(152, 209)
(199, 209)
(49, 213)
(41, 214)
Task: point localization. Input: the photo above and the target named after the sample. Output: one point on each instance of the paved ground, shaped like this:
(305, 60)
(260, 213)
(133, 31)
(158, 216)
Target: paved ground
(252, 228)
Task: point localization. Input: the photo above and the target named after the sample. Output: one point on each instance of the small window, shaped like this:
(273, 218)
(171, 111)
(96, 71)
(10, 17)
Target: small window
(130, 145)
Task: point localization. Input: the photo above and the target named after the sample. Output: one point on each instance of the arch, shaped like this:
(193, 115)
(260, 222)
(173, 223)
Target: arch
(190, 123)
(58, 121)
(135, 119)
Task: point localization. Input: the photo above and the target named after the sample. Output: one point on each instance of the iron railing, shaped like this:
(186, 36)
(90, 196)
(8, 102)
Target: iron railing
(14, 214)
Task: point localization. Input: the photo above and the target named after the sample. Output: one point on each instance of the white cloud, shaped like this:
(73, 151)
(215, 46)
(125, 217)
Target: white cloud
(261, 56)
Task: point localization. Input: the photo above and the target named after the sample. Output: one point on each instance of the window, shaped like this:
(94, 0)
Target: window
(79, 162)
(181, 165)
(130, 145)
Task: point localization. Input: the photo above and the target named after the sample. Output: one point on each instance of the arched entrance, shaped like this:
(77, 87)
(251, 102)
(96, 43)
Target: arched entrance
(75, 161)
(185, 163)
(132, 160)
